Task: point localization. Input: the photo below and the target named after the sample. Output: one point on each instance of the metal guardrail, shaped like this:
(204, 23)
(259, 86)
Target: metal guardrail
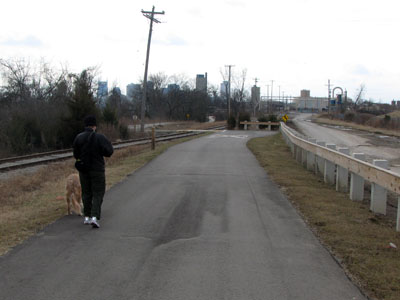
(385, 178)
(380, 178)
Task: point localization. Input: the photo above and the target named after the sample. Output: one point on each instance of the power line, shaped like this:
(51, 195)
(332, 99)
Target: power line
(149, 15)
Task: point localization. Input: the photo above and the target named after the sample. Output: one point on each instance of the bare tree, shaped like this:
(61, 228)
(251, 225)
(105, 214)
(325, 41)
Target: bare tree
(359, 95)
(240, 81)
(18, 77)
(182, 80)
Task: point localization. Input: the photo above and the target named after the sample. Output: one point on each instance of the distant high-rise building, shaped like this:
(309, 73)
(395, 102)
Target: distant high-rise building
(173, 87)
(170, 88)
(201, 82)
(255, 94)
(150, 85)
(102, 90)
(117, 90)
(305, 93)
(255, 98)
(224, 89)
(134, 91)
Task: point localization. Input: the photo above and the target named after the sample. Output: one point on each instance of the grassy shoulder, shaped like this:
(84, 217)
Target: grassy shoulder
(355, 236)
(30, 202)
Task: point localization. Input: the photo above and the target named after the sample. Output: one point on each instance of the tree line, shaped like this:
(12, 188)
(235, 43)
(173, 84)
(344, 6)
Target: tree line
(42, 108)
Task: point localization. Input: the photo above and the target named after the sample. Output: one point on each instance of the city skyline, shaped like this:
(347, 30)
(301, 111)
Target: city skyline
(299, 44)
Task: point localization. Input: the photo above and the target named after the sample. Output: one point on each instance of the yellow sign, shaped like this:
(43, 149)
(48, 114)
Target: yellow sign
(285, 118)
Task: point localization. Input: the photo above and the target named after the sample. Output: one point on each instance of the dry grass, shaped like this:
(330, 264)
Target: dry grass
(357, 126)
(29, 202)
(355, 236)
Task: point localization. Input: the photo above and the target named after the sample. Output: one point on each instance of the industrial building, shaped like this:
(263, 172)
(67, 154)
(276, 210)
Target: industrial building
(306, 103)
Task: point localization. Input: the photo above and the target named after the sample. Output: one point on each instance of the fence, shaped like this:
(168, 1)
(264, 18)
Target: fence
(336, 164)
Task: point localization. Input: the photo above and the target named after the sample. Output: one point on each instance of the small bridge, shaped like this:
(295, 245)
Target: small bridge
(257, 124)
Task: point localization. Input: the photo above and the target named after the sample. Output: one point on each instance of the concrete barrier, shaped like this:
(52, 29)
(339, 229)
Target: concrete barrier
(342, 174)
(311, 157)
(320, 169)
(257, 124)
(357, 182)
(378, 193)
(330, 168)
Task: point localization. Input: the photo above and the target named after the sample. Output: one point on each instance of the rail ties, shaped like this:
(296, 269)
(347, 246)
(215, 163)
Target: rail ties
(19, 162)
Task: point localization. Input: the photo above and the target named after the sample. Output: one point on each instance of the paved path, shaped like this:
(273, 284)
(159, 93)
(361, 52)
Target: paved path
(202, 221)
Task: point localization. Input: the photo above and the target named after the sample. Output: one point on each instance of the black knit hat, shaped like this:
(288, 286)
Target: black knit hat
(90, 120)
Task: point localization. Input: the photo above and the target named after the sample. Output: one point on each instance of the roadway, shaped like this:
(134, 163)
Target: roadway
(201, 221)
(374, 146)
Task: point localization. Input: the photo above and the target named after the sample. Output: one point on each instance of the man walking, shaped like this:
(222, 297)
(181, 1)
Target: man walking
(89, 151)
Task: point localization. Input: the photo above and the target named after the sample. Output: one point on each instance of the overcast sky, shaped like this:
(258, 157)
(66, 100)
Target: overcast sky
(299, 44)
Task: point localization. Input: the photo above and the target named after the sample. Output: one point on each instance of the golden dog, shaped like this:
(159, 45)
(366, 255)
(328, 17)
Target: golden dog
(74, 194)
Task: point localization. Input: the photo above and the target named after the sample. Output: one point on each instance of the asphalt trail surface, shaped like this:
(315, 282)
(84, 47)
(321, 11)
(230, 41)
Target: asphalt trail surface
(201, 221)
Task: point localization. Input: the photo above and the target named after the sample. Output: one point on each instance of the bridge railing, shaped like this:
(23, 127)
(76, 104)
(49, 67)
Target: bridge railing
(337, 166)
(257, 124)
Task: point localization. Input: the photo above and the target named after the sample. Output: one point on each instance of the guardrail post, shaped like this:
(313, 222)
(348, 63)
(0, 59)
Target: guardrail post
(290, 144)
(357, 182)
(269, 127)
(311, 157)
(294, 151)
(299, 152)
(342, 174)
(398, 215)
(330, 168)
(320, 162)
(304, 158)
(378, 193)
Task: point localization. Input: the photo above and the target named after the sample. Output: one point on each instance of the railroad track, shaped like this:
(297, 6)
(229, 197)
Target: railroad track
(20, 162)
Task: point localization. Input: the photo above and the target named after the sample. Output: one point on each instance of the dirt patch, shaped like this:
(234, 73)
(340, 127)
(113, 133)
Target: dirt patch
(357, 238)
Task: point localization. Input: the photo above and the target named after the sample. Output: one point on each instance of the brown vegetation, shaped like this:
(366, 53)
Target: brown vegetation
(366, 122)
(355, 236)
(29, 202)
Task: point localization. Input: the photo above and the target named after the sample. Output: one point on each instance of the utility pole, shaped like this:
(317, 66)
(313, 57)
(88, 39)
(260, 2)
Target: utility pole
(149, 15)
(272, 89)
(259, 102)
(229, 90)
(279, 93)
(272, 94)
(329, 96)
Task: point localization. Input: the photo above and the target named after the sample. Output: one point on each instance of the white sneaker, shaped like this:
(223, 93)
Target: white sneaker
(95, 223)
(86, 221)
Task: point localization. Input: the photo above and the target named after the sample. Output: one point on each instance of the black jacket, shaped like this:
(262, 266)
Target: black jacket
(100, 146)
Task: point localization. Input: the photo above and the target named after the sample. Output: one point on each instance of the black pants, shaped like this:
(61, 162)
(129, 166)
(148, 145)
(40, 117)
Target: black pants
(93, 189)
